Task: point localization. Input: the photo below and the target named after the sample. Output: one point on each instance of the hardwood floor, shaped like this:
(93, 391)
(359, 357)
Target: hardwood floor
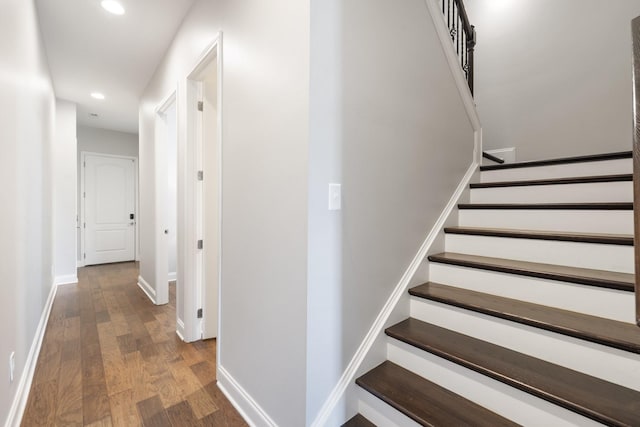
(111, 358)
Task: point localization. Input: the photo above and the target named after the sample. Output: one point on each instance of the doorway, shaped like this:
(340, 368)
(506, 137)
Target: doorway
(204, 138)
(166, 210)
(108, 205)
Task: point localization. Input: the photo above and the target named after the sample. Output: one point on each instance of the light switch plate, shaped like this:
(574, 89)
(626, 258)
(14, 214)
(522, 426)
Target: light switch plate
(335, 197)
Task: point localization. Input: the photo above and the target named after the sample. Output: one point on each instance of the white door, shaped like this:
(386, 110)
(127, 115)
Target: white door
(109, 209)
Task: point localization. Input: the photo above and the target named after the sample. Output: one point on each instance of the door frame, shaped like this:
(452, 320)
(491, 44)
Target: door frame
(136, 243)
(160, 220)
(193, 227)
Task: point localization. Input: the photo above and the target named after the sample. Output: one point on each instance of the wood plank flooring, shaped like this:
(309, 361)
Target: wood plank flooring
(111, 358)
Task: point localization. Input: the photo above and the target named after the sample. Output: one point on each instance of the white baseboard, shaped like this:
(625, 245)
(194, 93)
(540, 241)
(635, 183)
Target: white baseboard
(172, 277)
(180, 329)
(147, 289)
(248, 408)
(80, 263)
(24, 386)
(65, 280)
(348, 377)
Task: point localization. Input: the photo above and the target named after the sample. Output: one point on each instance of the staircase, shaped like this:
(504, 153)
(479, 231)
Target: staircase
(528, 317)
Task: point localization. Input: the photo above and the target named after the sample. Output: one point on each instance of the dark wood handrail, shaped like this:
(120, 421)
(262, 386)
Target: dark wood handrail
(491, 157)
(463, 35)
(468, 28)
(635, 31)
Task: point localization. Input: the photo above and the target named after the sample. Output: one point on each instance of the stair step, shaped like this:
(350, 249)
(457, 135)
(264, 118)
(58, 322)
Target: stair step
(610, 239)
(609, 218)
(423, 401)
(358, 421)
(559, 161)
(608, 332)
(555, 181)
(621, 206)
(583, 276)
(597, 399)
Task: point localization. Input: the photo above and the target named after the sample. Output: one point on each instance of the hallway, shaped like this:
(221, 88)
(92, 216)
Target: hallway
(111, 358)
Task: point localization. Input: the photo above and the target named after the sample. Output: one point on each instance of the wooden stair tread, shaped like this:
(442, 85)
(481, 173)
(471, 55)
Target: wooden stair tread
(555, 181)
(621, 206)
(611, 239)
(583, 276)
(597, 399)
(621, 335)
(426, 403)
(358, 421)
(560, 161)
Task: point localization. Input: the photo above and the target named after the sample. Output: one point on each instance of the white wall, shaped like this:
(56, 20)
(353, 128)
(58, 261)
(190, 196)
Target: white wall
(265, 135)
(27, 114)
(210, 202)
(65, 193)
(553, 78)
(172, 192)
(388, 123)
(103, 141)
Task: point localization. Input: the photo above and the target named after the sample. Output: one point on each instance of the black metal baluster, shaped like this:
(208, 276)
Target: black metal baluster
(462, 35)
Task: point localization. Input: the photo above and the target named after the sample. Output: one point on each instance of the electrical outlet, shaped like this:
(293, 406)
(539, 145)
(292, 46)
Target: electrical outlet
(12, 365)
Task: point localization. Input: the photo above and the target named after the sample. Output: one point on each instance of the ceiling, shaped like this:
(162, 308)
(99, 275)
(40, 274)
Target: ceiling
(90, 50)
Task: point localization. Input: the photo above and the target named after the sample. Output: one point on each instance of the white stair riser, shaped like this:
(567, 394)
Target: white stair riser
(380, 413)
(574, 254)
(593, 359)
(604, 192)
(578, 221)
(605, 167)
(595, 301)
(507, 401)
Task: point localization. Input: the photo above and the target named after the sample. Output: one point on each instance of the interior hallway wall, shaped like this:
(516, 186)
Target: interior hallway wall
(27, 124)
(65, 193)
(553, 78)
(262, 337)
(388, 123)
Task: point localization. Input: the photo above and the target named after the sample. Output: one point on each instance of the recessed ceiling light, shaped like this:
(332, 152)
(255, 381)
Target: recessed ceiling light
(97, 95)
(112, 6)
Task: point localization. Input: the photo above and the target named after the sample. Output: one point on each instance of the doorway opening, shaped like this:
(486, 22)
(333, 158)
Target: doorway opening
(166, 209)
(204, 142)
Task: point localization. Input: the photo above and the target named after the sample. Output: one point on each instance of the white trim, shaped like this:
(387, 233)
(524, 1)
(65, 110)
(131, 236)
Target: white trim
(161, 161)
(179, 327)
(79, 263)
(65, 280)
(376, 329)
(147, 289)
(193, 270)
(172, 276)
(248, 408)
(24, 386)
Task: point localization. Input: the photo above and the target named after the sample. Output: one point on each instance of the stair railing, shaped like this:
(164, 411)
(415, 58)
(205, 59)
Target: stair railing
(635, 31)
(463, 35)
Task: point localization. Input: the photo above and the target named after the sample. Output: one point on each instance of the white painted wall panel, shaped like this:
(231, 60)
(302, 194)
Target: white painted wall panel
(388, 123)
(27, 126)
(65, 181)
(262, 342)
(553, 78)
